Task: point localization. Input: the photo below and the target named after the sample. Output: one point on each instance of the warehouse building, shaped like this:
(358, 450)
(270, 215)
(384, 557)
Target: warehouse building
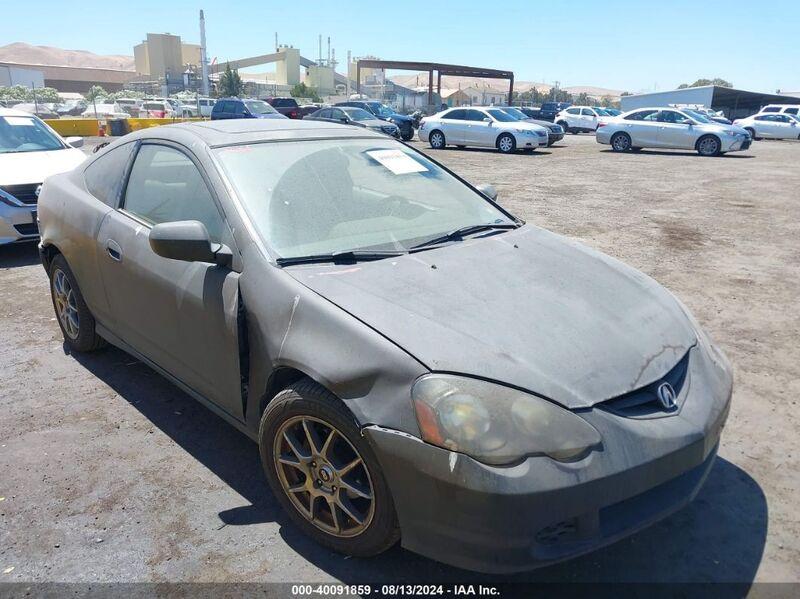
(734, 103)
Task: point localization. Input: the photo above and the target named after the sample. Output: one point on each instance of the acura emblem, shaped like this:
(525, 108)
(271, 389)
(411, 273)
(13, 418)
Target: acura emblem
(666, 396)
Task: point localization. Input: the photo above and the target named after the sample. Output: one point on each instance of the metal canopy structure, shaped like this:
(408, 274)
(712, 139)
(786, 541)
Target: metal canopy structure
(440, 68)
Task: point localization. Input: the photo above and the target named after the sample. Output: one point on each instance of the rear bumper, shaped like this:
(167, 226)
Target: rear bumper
(507, 519)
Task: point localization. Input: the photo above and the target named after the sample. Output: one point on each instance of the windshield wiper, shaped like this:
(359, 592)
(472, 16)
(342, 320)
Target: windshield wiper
(458, 234)
(348, 256)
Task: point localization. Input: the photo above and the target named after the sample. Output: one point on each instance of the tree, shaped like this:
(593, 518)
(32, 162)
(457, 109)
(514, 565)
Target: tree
(230, 84)
(21, 93)
(704, 82)
(301, 90)
(96, 92)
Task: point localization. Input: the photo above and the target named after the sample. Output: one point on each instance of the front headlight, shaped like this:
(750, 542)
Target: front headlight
(496, 424)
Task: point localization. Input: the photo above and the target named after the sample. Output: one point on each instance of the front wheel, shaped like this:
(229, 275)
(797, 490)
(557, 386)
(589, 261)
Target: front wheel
(621, 142)
(564, 126)
(437, 140)
(407, 136)
(752, 133)
(324, 473)
(708, 146)
(506, 143)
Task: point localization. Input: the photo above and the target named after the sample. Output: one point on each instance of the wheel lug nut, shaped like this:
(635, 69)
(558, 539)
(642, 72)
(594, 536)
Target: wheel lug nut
(313, 464)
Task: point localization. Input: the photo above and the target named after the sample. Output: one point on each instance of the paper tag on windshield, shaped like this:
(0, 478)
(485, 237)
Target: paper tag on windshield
(20, 121)
(397, 162)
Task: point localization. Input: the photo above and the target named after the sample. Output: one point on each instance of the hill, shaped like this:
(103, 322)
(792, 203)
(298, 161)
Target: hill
(21, 52)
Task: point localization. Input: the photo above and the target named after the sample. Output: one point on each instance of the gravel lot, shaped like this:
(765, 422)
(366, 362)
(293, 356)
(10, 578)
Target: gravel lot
(109, 473)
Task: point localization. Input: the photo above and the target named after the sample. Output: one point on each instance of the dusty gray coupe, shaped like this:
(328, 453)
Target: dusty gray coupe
(414, 362)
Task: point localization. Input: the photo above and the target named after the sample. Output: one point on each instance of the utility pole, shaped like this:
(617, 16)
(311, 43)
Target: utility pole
(203, 55)
(347, 79)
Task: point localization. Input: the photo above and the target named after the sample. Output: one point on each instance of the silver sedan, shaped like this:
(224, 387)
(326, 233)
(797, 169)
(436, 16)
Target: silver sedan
(679, 129)
(484, 127)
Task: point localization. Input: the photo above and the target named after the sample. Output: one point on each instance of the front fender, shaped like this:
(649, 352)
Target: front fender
(289, 325)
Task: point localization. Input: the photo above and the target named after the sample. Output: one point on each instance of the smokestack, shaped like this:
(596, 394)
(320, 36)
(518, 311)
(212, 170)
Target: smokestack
(203, 55)
(276, 41)
(320, 49)
(347, 80)
(329, 49)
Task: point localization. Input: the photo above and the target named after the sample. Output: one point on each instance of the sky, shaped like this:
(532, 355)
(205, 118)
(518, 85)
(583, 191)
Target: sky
(619, 44)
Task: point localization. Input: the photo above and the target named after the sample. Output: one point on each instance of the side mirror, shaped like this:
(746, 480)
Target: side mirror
(488, 190)
(187, 240)
(75, 142)
(486, 119)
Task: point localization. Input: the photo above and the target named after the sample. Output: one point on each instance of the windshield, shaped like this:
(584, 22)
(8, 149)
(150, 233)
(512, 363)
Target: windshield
(501, 116)
(380, 110)
(26, 134)
(259, 107)
(359, 114)
(516, 113)
(700, 118)
(319, 197)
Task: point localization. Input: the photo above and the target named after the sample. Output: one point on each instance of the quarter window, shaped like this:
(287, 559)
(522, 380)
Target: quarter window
(165, 186)
(104, 176)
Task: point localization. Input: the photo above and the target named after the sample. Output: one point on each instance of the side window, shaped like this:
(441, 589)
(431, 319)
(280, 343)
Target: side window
(324, 114)
(573, 110)
(103, 177)
(670, 116)
(475, 115)
(761, 118)
(337, 114)
(237, 108)
(165, 186)
(792, 110)
(642, 115)
(587, 112)
(771, 109)
(456, 115)
(226, 107)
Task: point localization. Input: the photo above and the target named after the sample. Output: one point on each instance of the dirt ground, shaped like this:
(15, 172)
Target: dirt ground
(109, 473)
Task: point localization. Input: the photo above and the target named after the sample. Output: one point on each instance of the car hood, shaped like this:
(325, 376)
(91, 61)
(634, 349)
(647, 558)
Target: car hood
(527, 308)
(34, 167)
(401, 118)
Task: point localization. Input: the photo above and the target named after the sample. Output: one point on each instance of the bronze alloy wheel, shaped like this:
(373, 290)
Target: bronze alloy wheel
(66, 304)
(324, 476)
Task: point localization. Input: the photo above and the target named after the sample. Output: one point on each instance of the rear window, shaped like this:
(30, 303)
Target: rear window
(284, 102)
(771, 109)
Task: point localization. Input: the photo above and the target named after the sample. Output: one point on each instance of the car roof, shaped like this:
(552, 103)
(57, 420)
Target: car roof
(241, 131)
(13, 112)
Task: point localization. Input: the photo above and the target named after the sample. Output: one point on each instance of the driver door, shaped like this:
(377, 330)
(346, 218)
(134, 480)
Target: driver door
(675, 130)
(183, 316)
(479, 131)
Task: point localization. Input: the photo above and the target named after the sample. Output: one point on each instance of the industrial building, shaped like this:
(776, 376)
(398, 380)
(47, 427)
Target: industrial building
(734, 103)
(165, 56)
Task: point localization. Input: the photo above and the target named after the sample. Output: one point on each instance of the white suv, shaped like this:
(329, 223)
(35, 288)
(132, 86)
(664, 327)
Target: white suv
(578, 119)
(787, 108)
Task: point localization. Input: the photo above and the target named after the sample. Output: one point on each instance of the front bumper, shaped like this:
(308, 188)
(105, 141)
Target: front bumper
(506, 519)
(735, 144)
(554, 137)
(530, 141)
(18, 223)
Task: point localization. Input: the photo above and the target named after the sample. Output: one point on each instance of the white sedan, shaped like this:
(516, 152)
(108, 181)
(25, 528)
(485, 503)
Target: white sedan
(680, 129)
(483, 127)
(771, 126)
(30, 151)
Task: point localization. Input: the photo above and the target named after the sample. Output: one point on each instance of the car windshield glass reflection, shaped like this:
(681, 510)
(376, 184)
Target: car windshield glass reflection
(26, 134)
(698, 117)
(259, 107)
(317, 197)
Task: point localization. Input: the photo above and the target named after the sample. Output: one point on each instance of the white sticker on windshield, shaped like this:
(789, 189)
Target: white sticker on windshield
(20, 121)
(397, 162)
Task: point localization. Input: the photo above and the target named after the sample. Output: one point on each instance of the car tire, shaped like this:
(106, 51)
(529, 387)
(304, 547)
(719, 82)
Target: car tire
(74, 318)
(437, 140)
(564, 126)
(708, 145)
(407, 136)
(506, 143)
(752, 133)
(620, 142)
(306, 411)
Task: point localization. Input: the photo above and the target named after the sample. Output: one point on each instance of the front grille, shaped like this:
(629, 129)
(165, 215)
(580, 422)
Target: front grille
(24, 193)
(27, 229)
(644, 402)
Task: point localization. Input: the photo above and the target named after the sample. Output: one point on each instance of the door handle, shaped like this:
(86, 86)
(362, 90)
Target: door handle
(113, 250)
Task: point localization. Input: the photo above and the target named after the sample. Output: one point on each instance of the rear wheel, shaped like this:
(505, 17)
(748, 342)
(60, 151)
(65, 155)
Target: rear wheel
(506, 143)
(324, 472)
(621, 142)
(708, 145)
(76, 322)
(408, 136)
(437, 140)
(752, 132)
